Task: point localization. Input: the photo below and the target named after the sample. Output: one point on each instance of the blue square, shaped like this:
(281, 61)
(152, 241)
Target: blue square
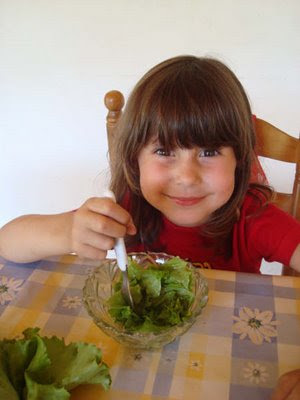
(238, 392)
(242, 348)
(17, 271)
(70, 302)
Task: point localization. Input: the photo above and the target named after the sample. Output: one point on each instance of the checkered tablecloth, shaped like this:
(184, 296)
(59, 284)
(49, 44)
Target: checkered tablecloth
(247, 335)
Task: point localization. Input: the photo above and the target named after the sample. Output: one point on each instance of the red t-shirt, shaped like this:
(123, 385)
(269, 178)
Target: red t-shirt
(269, 233)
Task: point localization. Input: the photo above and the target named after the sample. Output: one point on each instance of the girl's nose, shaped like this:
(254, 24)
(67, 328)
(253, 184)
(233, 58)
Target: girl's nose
(188, 172)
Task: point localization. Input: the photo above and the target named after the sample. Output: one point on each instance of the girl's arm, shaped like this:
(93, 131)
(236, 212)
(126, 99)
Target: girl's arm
(295, 259)
(89, 232)
(32, 237)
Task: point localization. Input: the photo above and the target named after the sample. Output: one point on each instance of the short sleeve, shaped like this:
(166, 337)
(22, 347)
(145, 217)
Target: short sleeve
(273, 234)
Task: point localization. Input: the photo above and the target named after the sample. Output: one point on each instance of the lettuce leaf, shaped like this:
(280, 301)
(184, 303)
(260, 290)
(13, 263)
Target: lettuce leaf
(7, 390)
(162, 295)
(36, 367)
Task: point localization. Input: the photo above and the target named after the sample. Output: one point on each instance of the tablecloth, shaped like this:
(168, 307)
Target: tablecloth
(247, 335)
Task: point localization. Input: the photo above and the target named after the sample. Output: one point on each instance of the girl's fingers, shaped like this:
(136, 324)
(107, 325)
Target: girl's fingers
(104, 216)
(96, 225)
(104, 225)
(109, 208)
(98, 241)
(131, 229)
(89, 252)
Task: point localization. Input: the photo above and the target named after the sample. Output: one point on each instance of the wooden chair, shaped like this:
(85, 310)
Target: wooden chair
(277, 145)
(271, 143)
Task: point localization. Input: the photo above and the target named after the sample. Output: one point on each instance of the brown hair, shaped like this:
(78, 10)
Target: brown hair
(187, 101)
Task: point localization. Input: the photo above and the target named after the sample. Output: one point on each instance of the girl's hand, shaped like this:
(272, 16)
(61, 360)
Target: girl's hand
(96, 225)
(288, 386)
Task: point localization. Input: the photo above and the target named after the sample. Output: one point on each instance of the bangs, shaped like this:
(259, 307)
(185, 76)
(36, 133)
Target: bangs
(184, 111)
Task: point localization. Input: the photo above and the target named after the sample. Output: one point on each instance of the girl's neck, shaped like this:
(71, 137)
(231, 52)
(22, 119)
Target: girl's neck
(171, 224)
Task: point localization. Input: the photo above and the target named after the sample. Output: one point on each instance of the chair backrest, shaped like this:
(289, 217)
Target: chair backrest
(271, 143)
(278, 145)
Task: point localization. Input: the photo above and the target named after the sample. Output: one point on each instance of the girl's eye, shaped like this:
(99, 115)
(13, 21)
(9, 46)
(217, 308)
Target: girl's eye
(162, 152)
(209, 152)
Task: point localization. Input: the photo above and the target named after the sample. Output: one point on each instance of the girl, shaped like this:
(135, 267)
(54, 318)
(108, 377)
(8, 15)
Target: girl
(181, 173)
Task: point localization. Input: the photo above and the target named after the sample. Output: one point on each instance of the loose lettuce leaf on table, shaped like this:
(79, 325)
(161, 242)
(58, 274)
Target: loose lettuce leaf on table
(36, 367)
(7, 391)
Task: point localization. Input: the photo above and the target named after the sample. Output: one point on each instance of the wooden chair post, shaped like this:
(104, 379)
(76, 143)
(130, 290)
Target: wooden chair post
(114, 102)
(296, 188)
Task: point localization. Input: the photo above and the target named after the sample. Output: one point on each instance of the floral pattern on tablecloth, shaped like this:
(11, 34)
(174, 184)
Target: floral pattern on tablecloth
(258, 325)
(255, 373)
(9, 287)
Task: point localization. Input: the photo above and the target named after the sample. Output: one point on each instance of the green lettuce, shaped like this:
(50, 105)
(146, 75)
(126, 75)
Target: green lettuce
(36, 367)
(162, 296)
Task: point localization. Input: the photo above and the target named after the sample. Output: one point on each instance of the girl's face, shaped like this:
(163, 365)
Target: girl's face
(186, 185)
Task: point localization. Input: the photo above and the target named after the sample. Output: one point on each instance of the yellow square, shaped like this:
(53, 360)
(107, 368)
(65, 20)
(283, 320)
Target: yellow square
(42, 319)
(79, 329)
(218, 274)
(284, 306)
(109, 347)
(18, 319)
(59, 279)
(286, 281)
(68, 259)
(42, 297)
(217, 368)
(196, 365)
(296, 282)
(288, 357)
(221, 299)
(93, 333)
(9, 319)
(29, 318)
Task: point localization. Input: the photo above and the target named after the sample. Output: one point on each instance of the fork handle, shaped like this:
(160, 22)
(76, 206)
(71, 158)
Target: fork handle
(119, 247)
(121, 254)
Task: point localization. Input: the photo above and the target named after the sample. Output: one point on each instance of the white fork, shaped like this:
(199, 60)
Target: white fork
(122, 261)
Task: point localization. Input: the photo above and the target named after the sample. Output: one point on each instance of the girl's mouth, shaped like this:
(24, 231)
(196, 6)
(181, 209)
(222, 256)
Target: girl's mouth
(186, 201)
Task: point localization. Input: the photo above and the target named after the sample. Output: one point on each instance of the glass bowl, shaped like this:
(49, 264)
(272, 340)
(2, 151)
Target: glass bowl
(99, 287)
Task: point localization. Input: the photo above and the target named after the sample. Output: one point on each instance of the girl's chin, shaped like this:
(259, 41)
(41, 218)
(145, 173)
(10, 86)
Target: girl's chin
(187, 223)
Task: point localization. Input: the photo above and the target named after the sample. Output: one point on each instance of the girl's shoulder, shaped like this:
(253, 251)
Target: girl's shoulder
(266, 230)
(257, 207)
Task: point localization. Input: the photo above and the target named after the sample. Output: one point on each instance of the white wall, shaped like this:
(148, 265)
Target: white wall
(59, 57)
